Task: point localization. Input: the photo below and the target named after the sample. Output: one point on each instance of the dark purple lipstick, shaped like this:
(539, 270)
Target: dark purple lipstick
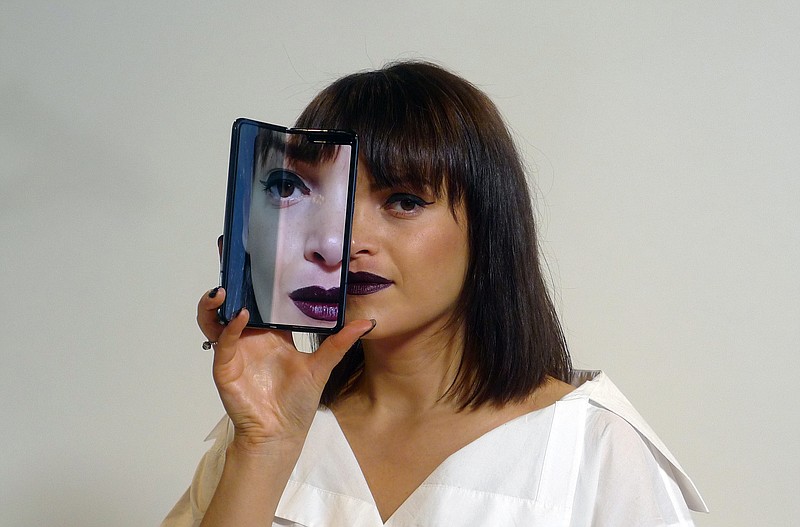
(317, 302)
(363, 283)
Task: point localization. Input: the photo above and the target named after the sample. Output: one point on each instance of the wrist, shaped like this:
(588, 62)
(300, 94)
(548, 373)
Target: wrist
(265, 450)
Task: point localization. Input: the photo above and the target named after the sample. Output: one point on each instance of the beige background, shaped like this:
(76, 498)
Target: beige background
(663, 140)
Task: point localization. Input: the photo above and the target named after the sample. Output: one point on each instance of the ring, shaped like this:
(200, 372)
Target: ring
(207, 344)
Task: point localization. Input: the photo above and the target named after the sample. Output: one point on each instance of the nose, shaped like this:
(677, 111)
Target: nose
(325, 243)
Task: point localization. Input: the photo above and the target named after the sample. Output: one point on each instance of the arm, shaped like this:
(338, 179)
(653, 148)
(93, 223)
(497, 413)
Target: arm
(250, 487)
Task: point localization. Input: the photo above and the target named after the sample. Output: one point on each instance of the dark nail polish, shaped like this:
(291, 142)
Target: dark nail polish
(374, 323)
(213, 292)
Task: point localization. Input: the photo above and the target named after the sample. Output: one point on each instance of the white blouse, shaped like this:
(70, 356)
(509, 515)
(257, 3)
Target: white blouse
(587, 460)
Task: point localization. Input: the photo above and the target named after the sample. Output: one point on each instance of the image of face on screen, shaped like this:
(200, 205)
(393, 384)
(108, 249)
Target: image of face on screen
(296, 228)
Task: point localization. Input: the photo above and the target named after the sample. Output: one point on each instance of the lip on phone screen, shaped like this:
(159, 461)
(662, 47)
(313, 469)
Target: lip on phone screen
(317, 302)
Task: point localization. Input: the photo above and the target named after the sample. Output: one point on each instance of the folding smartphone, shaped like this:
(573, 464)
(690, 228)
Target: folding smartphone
(288, 215)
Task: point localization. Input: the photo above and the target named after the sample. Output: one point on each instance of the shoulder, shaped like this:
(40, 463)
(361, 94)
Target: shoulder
(624, 460)
(624, 480)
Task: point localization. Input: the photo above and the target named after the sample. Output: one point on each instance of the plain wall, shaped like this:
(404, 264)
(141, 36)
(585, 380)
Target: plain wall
(662, 139)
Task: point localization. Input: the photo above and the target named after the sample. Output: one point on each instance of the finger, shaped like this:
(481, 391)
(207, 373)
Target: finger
(331, 352)
(207, 317)
(225, 349)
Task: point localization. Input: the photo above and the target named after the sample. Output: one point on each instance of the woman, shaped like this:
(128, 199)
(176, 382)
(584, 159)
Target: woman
(448, 399)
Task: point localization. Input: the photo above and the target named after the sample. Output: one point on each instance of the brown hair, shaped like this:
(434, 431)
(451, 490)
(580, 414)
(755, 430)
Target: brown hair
(422, 127)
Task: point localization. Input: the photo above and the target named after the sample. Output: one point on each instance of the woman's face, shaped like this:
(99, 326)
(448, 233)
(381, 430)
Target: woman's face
(295, 238)
(408, 259)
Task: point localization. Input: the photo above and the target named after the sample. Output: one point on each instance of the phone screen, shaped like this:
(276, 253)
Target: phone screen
(288, 214)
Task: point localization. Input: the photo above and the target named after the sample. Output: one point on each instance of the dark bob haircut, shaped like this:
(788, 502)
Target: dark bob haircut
(422, 127)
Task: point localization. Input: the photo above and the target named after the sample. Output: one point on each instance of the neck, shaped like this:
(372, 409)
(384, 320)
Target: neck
(405, 376)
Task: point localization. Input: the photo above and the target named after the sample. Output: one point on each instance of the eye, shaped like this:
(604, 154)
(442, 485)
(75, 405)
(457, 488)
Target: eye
(402, 204)
(284, 188)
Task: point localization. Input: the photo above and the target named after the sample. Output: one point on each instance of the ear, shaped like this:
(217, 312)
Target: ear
(219, 246)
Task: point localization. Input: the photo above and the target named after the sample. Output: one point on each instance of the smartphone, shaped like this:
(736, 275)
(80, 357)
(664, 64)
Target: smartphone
(288, 217)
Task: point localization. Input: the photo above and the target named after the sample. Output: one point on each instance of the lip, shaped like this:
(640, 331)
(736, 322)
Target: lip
(317, 302)
(364, 283)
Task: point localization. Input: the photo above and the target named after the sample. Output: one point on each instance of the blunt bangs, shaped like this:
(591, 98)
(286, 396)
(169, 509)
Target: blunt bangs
(296, 147)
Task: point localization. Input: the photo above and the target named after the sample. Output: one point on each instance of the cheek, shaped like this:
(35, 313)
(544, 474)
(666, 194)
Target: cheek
(448, 248)
(291, 233)
(261, 235)
(452, 238)
(441, 257)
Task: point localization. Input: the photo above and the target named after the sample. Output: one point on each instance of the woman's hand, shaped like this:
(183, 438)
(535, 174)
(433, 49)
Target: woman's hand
(269, 389)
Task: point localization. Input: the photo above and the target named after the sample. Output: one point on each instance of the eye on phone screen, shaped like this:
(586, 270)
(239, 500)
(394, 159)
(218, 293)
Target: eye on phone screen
(287, 226)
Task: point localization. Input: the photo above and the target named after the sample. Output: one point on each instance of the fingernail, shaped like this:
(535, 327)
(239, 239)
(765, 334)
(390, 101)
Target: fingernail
(213, 292)
(374, 323)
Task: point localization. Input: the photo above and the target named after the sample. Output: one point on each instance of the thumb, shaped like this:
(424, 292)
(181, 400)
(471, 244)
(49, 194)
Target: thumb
(334, 348)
